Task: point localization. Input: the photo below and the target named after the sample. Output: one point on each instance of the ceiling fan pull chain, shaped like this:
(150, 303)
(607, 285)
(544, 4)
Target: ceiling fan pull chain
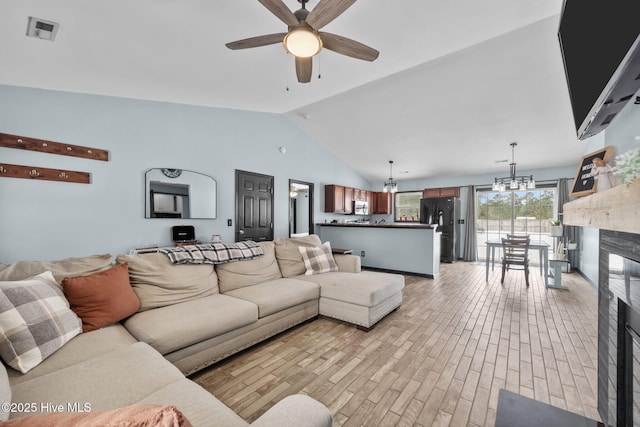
(319, 62)
(287, 79)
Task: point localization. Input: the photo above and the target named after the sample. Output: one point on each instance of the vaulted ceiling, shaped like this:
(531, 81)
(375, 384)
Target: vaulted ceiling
(454, 84)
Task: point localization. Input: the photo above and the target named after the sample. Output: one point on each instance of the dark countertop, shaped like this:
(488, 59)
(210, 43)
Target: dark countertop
(373, 225)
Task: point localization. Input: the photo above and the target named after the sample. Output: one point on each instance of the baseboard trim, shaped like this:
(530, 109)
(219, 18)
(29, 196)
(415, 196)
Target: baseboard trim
(386, 270)
(584, 276)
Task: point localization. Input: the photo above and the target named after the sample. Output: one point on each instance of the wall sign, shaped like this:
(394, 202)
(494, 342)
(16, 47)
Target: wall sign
(584, 183)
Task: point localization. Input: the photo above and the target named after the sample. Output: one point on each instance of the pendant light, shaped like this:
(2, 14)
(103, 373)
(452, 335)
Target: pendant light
(515, 182)
(390, 186)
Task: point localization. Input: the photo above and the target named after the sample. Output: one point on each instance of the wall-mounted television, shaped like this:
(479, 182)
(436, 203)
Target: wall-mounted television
(600, 45)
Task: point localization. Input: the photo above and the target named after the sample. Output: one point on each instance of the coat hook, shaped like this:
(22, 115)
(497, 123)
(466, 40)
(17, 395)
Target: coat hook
(44, 144)
(34, 173)
(89, 151)
(20, 140)
(63, 175)
(68, 148)
(2, 169)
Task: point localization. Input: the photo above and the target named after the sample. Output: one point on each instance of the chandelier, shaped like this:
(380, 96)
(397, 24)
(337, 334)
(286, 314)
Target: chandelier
(390, 186)
(514, 181)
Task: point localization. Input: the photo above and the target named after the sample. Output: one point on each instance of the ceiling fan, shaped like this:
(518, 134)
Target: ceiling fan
(303, 40)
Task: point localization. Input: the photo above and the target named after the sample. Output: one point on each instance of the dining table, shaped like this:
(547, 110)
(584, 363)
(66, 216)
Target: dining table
(540, 245)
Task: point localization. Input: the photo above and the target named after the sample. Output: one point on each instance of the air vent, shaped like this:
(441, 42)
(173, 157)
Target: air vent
(42, 29)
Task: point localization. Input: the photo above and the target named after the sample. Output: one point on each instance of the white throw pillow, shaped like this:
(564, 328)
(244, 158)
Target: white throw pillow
(318, 260)
(35, 321)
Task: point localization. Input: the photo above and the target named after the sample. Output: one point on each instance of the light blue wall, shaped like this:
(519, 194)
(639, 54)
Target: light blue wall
(624, 131)
(589, 254)
(54, 220)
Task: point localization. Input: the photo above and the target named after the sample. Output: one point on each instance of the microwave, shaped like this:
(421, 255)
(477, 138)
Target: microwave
(360, 207)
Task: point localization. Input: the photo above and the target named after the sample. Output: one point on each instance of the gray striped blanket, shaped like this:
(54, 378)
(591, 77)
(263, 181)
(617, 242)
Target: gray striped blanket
(213, 253)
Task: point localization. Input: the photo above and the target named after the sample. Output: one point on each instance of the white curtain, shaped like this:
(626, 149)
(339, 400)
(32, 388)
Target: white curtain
(470, 243)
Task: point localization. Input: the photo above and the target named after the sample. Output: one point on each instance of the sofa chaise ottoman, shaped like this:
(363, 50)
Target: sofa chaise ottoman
(349, 294)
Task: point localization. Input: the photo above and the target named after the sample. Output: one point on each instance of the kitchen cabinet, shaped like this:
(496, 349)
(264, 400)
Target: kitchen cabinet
(381, 203)
(441, 192)
(334, 198)
(338, 199)
(348, 199)
(361, 195)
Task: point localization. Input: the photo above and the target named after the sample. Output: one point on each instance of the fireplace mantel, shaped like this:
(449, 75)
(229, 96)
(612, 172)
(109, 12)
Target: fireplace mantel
(616, 209)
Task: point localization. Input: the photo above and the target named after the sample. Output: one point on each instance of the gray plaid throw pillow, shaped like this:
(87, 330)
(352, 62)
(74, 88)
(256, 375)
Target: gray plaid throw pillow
(35, 321)
(318, 260)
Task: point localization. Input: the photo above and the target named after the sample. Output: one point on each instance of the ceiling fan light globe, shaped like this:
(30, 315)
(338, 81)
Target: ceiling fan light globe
(302, 42)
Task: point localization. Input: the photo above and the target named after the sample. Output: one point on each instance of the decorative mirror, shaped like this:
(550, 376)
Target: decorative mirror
(179, 193)
(300, 208)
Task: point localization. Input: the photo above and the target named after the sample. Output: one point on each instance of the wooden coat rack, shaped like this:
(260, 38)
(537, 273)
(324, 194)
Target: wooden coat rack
(51, 147)
(34, 172)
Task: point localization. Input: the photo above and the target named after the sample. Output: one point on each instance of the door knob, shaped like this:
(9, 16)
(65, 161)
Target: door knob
(240, 231)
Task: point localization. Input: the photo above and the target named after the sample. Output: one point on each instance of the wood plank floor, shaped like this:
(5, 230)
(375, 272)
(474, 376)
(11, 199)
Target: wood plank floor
(439, 360)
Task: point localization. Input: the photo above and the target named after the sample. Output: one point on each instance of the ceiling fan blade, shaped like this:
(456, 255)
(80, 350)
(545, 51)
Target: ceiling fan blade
(304, 68)
(348, 47)
(278, 8)
(326, 11)
(256, 41)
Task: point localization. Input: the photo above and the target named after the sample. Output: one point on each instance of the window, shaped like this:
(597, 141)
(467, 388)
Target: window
(514, 212)
(407, 206)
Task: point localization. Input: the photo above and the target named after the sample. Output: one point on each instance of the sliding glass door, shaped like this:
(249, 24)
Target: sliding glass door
(514, 212)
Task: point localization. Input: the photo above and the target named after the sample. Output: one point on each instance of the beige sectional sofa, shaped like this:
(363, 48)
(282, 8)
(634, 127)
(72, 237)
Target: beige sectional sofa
(194, 316)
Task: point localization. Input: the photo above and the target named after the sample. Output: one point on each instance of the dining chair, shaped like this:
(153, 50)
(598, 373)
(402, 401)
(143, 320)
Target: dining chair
(515, 255)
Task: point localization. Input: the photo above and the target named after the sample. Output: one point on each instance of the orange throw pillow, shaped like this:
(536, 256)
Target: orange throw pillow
(102, 298)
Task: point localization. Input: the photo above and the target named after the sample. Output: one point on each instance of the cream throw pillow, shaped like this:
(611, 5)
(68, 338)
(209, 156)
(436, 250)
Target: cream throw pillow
(159, 283)
(289, 257)
(239, 274)
(60, 269)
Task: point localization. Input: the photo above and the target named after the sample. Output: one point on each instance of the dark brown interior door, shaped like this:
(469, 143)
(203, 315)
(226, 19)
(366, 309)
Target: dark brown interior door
(254, 206)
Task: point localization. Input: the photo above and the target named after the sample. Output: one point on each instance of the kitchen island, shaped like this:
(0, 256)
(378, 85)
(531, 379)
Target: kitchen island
(403, 247)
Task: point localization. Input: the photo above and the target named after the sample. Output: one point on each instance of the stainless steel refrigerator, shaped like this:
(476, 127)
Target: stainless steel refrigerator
(445, 213)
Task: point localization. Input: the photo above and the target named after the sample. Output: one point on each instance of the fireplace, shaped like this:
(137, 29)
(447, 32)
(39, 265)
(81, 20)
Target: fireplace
(619, 329)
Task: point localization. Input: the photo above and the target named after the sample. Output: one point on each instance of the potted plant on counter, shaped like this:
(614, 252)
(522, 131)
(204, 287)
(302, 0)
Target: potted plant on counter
(555, 229)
